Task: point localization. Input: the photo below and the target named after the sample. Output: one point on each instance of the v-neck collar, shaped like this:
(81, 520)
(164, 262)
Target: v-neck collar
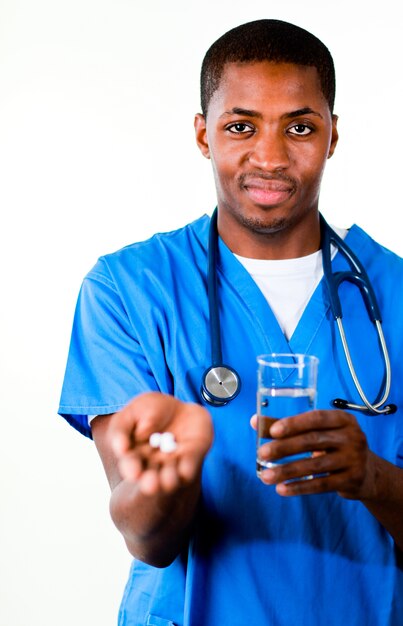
(235, 275)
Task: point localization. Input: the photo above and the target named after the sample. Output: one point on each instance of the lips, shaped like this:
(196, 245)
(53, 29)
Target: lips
(268, 191)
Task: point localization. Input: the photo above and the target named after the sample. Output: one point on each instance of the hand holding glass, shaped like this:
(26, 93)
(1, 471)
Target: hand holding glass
(286, 387)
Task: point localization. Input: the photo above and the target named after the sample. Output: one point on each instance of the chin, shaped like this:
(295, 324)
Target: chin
(268, 225)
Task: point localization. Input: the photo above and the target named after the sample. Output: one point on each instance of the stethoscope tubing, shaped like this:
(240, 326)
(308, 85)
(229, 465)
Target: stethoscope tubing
(359, 277)
(221, 383)
(372, 408)
(212, 288)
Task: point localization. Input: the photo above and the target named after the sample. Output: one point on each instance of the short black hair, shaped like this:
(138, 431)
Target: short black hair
(266, 40)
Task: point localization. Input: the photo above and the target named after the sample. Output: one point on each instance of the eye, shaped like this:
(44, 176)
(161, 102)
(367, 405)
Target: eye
(300, 130)
(240, 128)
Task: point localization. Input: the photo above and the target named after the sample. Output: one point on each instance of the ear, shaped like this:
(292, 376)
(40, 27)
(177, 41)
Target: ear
(335, 136)
(201, 135)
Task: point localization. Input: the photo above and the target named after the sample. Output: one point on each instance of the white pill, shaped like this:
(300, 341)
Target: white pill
(167, 442)
(155, 440)
(167, 436)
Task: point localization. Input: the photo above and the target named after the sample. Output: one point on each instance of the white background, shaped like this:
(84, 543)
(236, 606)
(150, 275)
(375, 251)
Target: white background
(97, 99)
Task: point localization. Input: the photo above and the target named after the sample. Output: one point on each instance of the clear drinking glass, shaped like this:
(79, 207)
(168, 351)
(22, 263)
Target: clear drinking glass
(286, 386)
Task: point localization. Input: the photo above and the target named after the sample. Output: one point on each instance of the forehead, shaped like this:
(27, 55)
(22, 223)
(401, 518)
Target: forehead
(261, 84)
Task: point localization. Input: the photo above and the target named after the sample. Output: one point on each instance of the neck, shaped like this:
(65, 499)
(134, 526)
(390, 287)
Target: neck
(288, 239)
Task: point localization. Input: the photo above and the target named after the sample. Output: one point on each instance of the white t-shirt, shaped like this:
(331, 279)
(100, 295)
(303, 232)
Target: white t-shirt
(288, 284)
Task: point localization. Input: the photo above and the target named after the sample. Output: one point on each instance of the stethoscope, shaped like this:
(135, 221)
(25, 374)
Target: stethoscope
(221, 383)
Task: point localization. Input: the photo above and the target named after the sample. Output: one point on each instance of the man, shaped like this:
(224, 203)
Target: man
(212, 543)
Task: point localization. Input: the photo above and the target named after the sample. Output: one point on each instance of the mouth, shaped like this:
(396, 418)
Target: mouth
(268, 191)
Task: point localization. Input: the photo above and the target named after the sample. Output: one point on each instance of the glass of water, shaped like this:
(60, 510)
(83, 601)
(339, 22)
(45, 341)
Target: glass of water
(286, 387)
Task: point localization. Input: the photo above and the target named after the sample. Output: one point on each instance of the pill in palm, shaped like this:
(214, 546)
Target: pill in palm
(167, 442)
(155, 440)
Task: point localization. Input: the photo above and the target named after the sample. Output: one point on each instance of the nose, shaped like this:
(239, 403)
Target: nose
(269, 151)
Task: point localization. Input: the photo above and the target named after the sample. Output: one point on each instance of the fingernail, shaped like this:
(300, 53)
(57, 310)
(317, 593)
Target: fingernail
(276, 429)
(267, 475)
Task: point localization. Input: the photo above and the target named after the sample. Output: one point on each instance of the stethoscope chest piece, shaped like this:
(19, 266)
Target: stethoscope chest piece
(220, 385)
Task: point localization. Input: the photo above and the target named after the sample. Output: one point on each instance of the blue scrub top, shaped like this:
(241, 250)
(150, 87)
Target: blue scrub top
(141, 324)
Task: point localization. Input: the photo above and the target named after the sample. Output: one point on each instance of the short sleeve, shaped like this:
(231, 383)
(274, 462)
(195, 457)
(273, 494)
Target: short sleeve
(106, 365)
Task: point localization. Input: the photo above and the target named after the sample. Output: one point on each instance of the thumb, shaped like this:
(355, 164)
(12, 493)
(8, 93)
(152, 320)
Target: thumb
(253, 421)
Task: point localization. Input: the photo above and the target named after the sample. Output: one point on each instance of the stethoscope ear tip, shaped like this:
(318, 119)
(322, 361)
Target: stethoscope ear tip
(338, 403)
(390, 409)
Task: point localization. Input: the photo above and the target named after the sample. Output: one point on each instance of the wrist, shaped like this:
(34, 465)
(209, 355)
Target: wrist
(374, 490)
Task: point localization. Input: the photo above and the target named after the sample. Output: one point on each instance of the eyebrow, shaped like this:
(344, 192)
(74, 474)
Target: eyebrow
(252, 113)
(240, 111)
(304, 111)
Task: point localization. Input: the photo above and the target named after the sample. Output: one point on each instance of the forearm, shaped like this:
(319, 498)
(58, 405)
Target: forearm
(386, 500)
(155, 527)
(154, 493)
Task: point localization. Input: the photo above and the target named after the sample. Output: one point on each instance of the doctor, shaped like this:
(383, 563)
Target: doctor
(212, 543)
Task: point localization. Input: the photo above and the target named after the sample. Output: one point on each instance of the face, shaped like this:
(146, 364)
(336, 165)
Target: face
(268, 133)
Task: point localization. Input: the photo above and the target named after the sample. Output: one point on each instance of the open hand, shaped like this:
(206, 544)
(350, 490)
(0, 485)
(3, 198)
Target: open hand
(152, 469)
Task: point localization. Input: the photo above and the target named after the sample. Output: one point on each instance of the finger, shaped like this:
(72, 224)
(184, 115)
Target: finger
(316, 484)
(325, 465)
(149, 483)
(253, 422)
(157, 411)
(312, 420)
(130, 467)
(135, 461)
(195, 426)
(318, 441)
(120, 441)
(317, 453)
(189, 466)
(143, 415)
(169, 478)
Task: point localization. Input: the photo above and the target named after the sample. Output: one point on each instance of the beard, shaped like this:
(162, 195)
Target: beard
(267, 226)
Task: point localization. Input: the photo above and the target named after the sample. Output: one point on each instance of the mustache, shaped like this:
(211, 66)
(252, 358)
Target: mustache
(246, 177)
